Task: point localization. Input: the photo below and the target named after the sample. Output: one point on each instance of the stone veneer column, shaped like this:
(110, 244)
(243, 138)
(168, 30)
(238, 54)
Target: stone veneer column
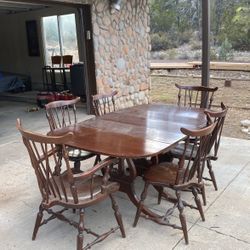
(122, 45)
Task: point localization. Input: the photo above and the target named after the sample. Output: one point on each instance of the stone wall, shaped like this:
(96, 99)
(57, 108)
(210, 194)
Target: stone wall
(122, 45)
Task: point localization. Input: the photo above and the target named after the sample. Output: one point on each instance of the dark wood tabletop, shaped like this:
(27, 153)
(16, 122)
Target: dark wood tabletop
(135, 132)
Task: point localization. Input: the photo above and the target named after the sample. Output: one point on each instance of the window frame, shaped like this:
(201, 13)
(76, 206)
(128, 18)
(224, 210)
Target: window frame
(45, 56)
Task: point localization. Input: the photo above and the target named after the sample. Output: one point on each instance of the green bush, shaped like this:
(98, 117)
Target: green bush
(213, 54)
(195, 45)
(183, 37)
(170, 40)
(160, 41)
(226, 51)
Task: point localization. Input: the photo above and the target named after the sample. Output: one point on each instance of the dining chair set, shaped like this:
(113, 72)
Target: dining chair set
(55, 75)
(64, 182)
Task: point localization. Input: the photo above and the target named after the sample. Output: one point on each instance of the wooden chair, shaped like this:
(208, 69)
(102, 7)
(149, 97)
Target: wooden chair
(67, 60)
(187, 174)
(61, 114)
(190, 96)
(58, 71)
(104, 103)
(219, 118)
(56, 61)
(60, 188)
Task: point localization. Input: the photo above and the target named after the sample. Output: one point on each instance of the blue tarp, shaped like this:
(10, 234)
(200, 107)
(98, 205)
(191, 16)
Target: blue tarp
(10, 83)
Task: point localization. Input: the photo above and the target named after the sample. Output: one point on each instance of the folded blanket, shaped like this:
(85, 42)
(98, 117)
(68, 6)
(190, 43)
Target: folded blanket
(10, 83)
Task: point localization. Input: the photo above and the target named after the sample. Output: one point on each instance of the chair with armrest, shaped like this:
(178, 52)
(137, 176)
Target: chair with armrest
(186, 174)
(62, 114)
(104, 103)
(59, 187)
(190, 96)
(219, 118)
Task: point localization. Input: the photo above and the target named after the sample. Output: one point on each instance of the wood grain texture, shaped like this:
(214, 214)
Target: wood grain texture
(135, 132)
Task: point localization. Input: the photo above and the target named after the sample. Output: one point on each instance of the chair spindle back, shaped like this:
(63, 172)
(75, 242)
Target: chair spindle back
(61, 113)
(197, 142)
(219, 118)
(104, 103)
(56, 182)
(191, 96)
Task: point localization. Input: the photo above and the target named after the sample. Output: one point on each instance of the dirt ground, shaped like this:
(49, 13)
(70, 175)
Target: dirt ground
(236, 97)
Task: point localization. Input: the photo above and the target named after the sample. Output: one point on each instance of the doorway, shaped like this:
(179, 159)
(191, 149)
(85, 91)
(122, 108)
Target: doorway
(32, 65)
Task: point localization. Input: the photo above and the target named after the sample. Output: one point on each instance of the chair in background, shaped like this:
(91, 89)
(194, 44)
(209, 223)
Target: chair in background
(191, 96)
(56, 61)
(187, 174)
(58, 73)
(62, 114)
(60, 188)
(104, 103)
(67, 60)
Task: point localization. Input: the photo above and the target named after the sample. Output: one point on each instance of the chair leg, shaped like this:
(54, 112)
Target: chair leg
(143, 197)
(203, 194)
(198, 203)
(39, 218)
(117, 215)
(182, 216)
(211, 172)
(160, 195)
(80, 230)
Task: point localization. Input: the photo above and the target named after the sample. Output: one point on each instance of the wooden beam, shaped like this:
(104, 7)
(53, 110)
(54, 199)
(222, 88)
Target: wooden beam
(205, 47)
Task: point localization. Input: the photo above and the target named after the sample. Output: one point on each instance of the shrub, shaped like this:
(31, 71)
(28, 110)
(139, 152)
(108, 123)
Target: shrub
(195, 45)
(159, 41)
(226, 51)
(197, 55)
(213, 54)
(184, 56)
(183, 37)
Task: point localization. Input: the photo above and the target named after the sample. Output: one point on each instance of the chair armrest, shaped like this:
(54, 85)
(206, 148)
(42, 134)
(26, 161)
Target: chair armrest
(104, 163)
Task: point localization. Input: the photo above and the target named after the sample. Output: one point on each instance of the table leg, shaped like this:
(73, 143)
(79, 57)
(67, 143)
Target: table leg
(53, 80)
(127, 186)
(65, 85)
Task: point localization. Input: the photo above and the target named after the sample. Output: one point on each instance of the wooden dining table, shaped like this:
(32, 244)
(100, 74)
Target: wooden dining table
(137, 132)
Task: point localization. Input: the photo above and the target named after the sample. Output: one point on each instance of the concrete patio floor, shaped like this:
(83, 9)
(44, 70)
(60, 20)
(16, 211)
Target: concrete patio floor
(227, 213)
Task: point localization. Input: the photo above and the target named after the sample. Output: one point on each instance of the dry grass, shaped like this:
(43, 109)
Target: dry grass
(236, 97)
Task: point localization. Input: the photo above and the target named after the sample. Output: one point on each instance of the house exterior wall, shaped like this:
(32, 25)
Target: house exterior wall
(122, 45)
(121, 42)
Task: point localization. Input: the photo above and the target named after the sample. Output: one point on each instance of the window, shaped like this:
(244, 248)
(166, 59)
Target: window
(60, 37)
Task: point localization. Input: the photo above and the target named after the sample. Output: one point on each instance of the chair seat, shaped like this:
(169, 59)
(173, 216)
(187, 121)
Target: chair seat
(83, 189)
(77, 154)
(163, 174)
(177, 152)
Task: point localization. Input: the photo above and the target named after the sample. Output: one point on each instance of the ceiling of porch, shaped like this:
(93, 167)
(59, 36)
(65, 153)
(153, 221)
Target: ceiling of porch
(13, 7)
